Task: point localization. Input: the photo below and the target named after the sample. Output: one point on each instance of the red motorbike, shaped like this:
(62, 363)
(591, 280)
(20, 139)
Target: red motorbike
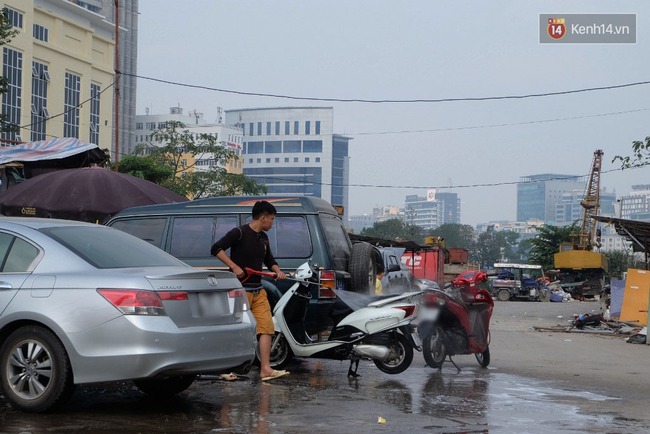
(458, 321)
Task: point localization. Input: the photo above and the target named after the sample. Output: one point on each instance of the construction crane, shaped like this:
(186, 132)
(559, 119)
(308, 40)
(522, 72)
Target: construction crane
(590, 205)
(582, 271)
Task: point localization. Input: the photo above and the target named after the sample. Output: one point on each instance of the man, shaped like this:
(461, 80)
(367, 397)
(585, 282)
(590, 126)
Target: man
(249, 247)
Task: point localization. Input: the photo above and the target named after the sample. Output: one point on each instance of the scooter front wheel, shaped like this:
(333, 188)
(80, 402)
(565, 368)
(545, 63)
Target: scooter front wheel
(484, 357)
(281, 354)
(434, 349)
(401, 356)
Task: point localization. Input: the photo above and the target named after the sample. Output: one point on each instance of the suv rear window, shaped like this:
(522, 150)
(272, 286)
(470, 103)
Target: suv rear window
(192, 237)
(150, 229)
(337, 241)
(289, 237)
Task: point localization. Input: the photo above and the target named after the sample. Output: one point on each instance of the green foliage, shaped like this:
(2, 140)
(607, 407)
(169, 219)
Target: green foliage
(619, 261)
(145, 168)
(455, 235)
(547, 243)
(492, 246)
(7, 33)
(395, 229)
(640, 155)
(168, 165)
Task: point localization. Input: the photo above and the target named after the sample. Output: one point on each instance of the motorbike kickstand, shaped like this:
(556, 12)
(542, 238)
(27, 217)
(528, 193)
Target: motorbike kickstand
(351, 372)
(454, 363)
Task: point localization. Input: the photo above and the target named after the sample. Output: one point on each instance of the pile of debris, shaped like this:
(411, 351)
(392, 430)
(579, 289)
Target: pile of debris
(602, 324)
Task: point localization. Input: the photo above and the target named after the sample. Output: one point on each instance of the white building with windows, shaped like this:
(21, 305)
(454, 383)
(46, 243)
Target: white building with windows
(636, 205)
(294, 151)
(229, 136)
(433, 210)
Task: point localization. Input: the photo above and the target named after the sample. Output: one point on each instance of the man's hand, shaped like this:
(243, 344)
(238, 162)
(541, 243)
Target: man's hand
(279, 275)
(238, 272)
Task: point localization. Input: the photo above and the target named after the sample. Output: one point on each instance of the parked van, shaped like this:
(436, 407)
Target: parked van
(305, 228)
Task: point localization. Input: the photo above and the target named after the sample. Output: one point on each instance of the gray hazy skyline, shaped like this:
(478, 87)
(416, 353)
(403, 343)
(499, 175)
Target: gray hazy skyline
(386, 50)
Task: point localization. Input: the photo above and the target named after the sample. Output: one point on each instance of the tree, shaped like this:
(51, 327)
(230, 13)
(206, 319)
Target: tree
(145, 168)
(7, 32)
(455, 235)
(618, 261)
(492, 246)
(640, 157)
(547, 243)
(170, 165)
(394, 229)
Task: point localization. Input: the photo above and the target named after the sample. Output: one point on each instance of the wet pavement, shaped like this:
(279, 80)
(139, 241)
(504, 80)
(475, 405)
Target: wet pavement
(318, 397)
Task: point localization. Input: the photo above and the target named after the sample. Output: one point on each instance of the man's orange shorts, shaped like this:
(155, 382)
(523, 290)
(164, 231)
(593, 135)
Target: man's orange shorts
(261, 310)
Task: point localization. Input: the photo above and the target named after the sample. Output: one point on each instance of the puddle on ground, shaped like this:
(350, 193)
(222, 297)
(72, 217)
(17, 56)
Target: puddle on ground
(318, 397)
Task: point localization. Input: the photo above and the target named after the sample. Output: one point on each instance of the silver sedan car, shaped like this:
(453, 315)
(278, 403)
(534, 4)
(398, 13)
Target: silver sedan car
(84, 303)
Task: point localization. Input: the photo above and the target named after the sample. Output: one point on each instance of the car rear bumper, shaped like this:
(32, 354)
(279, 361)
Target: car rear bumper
(132, 347)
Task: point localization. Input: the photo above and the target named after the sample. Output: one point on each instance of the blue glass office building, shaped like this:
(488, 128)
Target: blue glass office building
(539, 195)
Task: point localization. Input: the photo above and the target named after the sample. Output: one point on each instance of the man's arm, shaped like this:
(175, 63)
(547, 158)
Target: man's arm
(223, 256)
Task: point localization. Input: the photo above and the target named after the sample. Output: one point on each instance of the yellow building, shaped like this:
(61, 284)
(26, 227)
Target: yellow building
(60, 72)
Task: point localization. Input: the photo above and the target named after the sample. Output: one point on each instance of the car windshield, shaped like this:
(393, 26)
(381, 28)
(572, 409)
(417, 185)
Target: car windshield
(108, 248)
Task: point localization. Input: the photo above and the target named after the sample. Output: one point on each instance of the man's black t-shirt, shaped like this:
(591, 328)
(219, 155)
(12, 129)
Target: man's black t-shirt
(247, 249)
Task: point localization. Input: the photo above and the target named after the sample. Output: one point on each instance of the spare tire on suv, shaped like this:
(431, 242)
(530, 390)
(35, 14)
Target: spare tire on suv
(363, 267)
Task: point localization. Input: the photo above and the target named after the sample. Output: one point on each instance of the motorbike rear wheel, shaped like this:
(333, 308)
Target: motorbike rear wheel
(434, 349)
(483, 358)
(400, 358)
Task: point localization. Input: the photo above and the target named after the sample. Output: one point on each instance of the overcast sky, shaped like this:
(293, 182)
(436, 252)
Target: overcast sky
(412, 50)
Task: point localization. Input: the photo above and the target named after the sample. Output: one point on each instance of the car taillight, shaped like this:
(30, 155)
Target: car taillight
(239, 293)
(409, 309)
(134, 301)
(327, 280)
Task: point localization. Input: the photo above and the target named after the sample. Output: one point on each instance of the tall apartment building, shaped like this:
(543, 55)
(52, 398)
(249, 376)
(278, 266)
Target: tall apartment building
(294, 151)
(432, 211)
(229, 136)
(60, 72)
(539, 195)
(127, 50)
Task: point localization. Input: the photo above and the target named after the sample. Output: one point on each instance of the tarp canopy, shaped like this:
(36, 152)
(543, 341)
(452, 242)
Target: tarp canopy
(53, 149)
(634, 230)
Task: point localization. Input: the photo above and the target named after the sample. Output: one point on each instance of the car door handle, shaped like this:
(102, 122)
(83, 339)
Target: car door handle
(5, 285)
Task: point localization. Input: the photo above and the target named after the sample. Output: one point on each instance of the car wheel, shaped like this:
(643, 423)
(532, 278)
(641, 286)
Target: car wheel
(35, 370)
(165, 387)
(363, 268)
(503, 295)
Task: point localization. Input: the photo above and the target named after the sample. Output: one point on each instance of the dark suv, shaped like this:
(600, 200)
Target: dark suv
(305, 228)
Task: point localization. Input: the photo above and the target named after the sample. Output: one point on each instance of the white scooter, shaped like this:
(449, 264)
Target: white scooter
(381, 332)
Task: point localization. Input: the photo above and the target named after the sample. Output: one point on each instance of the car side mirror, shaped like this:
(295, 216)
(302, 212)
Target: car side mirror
(394, 267)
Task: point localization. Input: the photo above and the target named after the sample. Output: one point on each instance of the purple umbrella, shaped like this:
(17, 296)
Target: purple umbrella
(89, 194)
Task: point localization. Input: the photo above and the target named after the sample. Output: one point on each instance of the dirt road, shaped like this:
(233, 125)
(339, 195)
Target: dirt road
(577, 361)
